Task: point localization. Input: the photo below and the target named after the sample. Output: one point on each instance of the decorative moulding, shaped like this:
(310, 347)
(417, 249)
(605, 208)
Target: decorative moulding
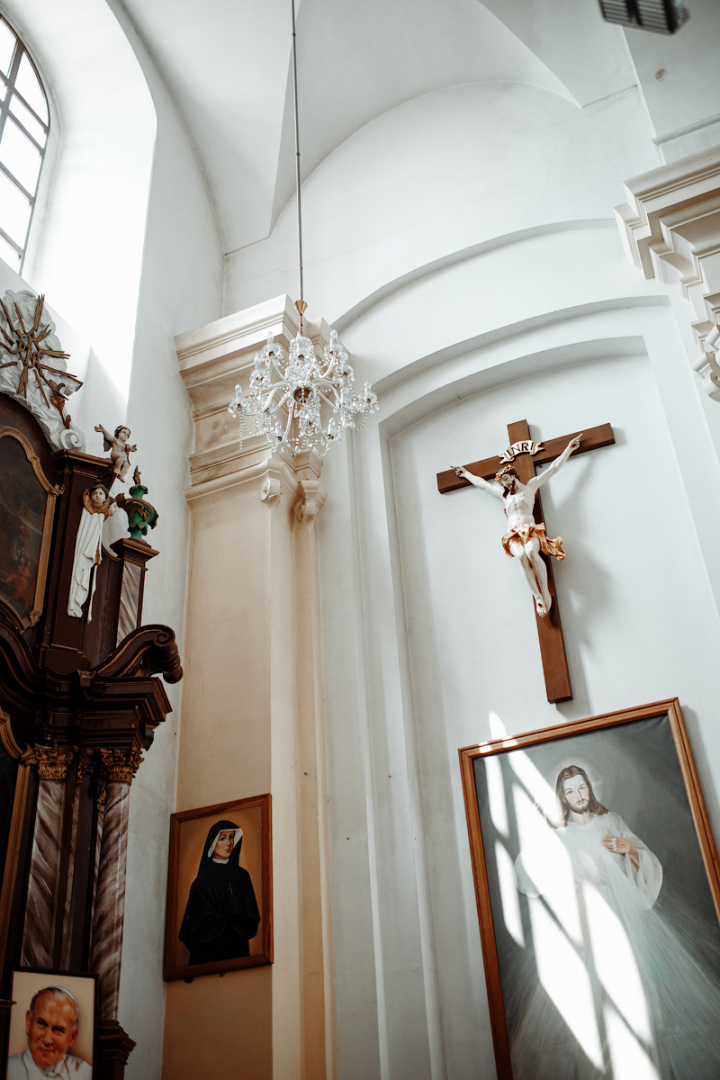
(33, 370)
(670, 226)
(308, 503)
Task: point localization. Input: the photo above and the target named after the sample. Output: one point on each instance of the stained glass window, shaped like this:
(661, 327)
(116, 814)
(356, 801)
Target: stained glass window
(24, 126)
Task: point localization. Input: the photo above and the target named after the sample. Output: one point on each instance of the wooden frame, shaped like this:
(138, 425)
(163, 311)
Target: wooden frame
(640, 743)
(83, 987)
(25, 759)
(187, 839)
(23, 622)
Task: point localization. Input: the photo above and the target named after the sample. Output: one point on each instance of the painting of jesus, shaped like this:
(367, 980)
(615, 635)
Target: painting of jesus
(605, 931)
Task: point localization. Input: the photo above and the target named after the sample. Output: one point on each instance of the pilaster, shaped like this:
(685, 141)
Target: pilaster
(252, 706)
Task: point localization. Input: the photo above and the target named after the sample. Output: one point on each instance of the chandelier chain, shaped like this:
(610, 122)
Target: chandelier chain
(296, 112)
(301, 402)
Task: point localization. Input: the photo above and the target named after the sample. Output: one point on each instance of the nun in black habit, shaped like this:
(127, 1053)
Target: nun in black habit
(221, 914)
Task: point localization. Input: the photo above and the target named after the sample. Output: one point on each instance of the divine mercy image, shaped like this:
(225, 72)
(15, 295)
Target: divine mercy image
(607, 939)
(222, 915)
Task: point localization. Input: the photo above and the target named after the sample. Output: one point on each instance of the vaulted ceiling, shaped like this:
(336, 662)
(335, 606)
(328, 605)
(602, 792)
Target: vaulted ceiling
(227, 64)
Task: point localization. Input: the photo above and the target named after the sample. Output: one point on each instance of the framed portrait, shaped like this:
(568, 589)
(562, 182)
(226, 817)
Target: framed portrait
(219, 903)
(598, 895)
(53, 1025)
(27, 506)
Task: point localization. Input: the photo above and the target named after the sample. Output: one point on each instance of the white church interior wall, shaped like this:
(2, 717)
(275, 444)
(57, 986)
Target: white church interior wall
(180, 287)
(596, 340)
(680, 82)
(635, 629)
(87, 251)
(170, 279)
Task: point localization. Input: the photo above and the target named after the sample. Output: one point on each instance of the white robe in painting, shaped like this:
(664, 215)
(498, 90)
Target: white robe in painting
(22, 1067)
(88, 553)
(615, 993)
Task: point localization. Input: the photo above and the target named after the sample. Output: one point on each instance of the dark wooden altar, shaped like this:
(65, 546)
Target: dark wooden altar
(79, 703)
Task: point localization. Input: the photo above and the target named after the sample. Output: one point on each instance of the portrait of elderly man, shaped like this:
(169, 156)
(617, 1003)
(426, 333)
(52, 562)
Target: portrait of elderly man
(52, 1023)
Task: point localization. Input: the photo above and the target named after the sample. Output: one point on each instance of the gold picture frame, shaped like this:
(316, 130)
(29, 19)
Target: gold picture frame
(589, 958)
(190, 894)
(25, 759)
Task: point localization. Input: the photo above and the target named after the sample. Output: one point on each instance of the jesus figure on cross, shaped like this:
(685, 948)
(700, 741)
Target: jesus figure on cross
(525, 538)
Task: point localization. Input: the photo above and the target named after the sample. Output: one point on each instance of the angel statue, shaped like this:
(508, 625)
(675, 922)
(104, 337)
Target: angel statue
(525, 539)
(98, 506)
(119, 449)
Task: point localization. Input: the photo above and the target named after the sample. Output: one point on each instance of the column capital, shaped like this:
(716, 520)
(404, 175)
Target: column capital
(54, 761)
(121, 764)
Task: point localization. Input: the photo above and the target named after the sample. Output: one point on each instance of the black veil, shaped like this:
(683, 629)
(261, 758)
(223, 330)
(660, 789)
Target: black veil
(222, 914)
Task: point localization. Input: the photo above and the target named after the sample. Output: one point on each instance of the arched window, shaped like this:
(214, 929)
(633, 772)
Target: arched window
(24, 126)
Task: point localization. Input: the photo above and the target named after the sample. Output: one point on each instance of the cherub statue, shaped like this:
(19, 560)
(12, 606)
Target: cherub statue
(525, 539)
(97, 507)
(119, 449)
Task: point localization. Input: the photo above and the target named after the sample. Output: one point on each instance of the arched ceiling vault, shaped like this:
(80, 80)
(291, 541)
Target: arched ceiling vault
(227, 66)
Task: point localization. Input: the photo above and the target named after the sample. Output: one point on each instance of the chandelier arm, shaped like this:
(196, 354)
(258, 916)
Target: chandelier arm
(326, 373)
(286, 433)
(276, 361)
(333, 405)
(326, 383)
(278, 404)
(264, 405)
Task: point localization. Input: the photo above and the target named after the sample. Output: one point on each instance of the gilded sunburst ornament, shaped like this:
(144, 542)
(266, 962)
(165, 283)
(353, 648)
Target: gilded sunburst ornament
(33, 369)
(30, 345)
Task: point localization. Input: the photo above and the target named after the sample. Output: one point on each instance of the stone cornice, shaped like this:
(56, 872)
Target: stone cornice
(670, 226)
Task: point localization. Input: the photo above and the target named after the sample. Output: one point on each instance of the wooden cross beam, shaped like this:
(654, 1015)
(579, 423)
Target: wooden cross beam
(549, 628)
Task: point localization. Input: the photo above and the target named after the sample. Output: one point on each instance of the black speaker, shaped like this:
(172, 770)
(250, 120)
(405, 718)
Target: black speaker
(659, 16)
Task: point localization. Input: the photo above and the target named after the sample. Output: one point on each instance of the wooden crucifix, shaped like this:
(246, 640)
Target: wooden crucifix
(525, 455)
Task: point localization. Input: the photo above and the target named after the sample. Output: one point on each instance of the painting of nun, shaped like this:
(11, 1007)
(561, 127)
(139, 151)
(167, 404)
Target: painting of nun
(219, 912)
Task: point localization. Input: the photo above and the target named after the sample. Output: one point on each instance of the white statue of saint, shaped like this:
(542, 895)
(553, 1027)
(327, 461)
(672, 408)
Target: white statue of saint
(97, 507)
(525, 539)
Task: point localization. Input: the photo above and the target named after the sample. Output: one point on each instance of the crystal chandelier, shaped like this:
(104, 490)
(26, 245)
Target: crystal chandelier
(313, 396)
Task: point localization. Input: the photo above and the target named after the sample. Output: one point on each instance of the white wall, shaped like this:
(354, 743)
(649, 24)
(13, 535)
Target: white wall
(180, 287)
(463, 245)
(171, 233)
(86, 243)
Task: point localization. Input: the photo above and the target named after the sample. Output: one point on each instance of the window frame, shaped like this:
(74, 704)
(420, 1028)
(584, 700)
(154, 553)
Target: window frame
(8, 84)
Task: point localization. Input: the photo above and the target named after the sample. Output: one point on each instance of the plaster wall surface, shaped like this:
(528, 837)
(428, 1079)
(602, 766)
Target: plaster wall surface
(427, 651)
(462, 241)
(86, 244)
(180, 286)
(177, 284)
(438, 175)
(680, 82)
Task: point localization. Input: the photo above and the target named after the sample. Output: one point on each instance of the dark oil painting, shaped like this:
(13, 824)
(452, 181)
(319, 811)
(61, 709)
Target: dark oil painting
(22, 514)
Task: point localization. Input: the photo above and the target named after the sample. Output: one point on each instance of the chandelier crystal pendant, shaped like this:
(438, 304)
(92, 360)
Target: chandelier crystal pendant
(302, 402)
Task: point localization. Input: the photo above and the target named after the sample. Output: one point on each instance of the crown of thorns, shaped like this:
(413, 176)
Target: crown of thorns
(506, 471)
